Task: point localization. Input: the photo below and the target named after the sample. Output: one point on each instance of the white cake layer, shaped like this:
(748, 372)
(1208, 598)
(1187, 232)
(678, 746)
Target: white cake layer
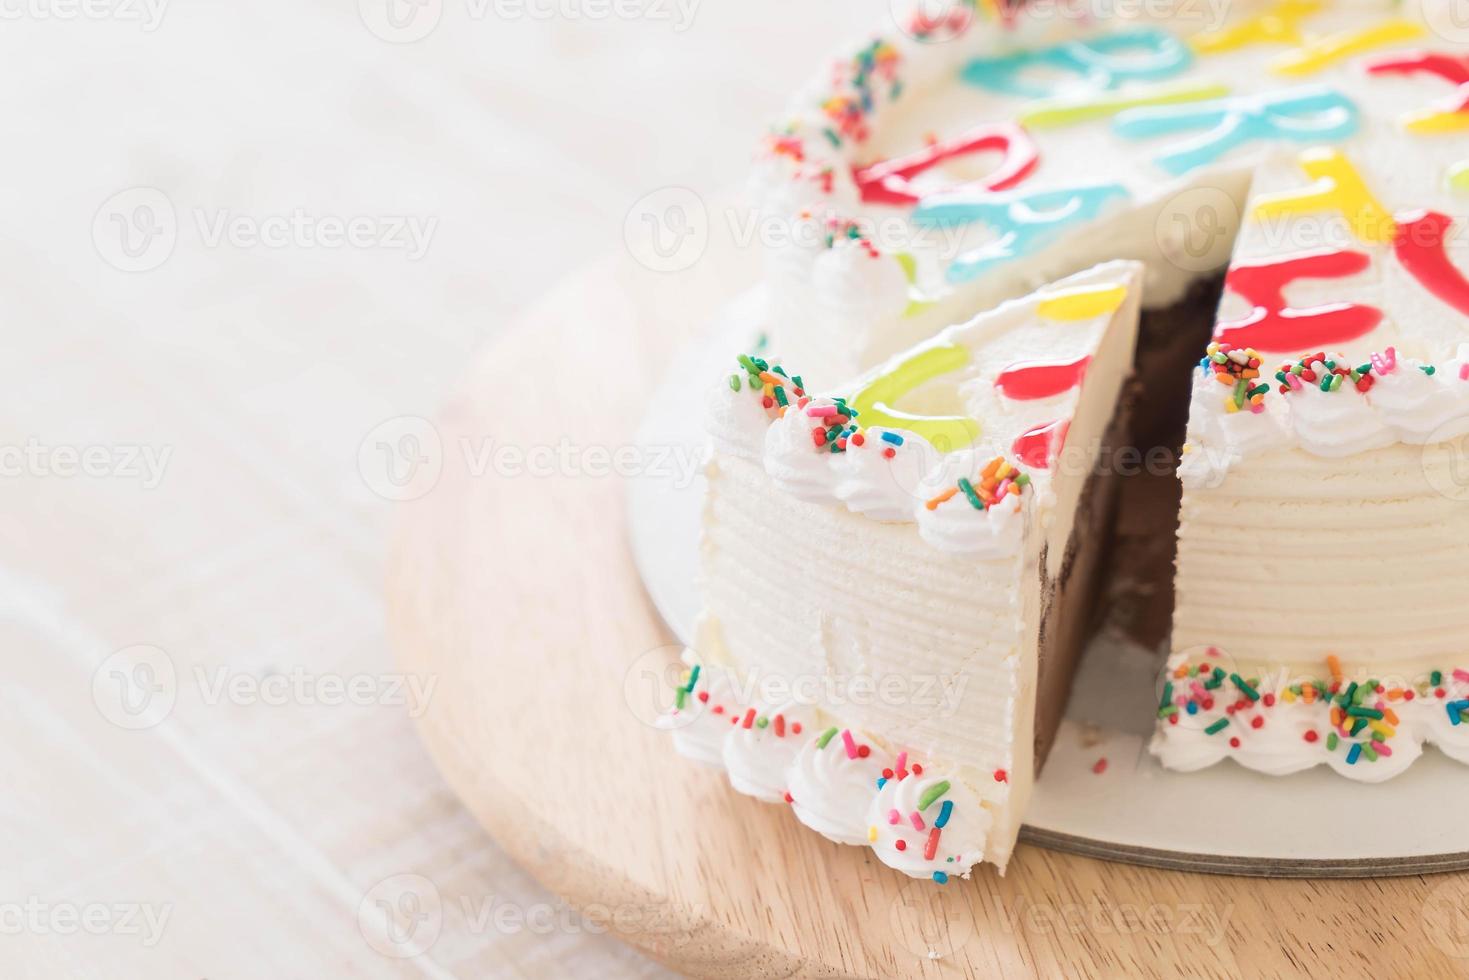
(1294, 556)
(925, 649)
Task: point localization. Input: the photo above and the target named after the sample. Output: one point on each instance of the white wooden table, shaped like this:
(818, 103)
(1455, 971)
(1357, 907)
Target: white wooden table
(216, 314)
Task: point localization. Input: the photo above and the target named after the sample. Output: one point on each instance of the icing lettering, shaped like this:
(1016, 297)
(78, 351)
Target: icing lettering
(1459, 176)
(1023, 223)
(1450, 67)
(1038, 446)
(1421, 248)
(1302, 115)
(1281, 24)
(875, 399)
(1032, 380)
(891, 181)
(1275, 326)
(917, 302)
(1338, 187)
(1081, 303)
(1450, 117)
(1104, 62)
(1321, 53)
(1067, 110)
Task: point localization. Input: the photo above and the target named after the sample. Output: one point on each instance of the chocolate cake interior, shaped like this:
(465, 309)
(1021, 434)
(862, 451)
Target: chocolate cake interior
(1118, 566)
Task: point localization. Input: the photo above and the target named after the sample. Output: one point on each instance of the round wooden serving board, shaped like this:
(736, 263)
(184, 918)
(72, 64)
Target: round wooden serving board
(512, 583)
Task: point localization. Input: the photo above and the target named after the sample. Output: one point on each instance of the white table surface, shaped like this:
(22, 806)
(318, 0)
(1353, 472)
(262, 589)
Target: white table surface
(223, 551)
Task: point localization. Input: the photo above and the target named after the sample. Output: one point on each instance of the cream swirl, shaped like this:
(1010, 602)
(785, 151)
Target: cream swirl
(1336, 423)
(957, 526)
(1217, 439)
(1278, 747)
(1405, 751)
(1405, 404)
(883, 488)
(760, 746)
(1277, 731)
(893, 488)
(700, 719)
(927, 825)
(831, 782)
(1452, 738)
(793, 462)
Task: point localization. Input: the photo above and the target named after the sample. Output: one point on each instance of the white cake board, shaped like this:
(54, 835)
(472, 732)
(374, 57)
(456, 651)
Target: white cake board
(1224, 819)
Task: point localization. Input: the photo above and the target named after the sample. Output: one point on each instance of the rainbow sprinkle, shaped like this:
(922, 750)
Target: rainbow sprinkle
(999, 479)
(776, 389)
(1357, 718)
(856, 85)
(1331, 373)
(1237, 368)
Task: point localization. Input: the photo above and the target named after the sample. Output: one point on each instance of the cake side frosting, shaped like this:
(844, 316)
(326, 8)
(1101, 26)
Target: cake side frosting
(1328, 424)
(1367, 727)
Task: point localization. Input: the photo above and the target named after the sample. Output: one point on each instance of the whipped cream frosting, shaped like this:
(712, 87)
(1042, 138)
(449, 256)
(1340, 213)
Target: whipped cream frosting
(927, 825)
(838, 782)
(701, 719)
(831, 782)
(1285, 722)
(760, 746)
(1406, 404)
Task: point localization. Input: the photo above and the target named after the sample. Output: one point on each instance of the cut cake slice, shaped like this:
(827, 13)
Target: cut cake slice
(896, 581)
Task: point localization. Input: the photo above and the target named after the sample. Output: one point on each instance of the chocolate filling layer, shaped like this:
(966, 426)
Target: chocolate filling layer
(1118, 565)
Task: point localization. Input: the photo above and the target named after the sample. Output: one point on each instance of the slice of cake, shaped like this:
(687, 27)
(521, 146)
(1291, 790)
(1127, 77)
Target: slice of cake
(896, 580)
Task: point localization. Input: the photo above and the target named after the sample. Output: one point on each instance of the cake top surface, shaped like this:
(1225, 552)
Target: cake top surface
(953, 161)
(953, 434)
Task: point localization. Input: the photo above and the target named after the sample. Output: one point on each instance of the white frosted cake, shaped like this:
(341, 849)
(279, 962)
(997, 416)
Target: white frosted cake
(923, 504)
(894, 575)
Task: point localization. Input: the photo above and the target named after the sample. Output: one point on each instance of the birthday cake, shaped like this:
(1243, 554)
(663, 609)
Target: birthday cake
(907, 520)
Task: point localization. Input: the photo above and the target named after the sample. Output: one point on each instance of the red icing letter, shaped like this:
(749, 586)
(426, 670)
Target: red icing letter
(1030, 380)
(1451, 68)
(1420, 248)
(1273, 326)
(1038, 446)
(890, 181)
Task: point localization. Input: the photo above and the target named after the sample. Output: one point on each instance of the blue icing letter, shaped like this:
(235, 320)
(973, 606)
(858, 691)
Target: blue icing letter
(1103, 62)
(1024, 223)
(1302, 115)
